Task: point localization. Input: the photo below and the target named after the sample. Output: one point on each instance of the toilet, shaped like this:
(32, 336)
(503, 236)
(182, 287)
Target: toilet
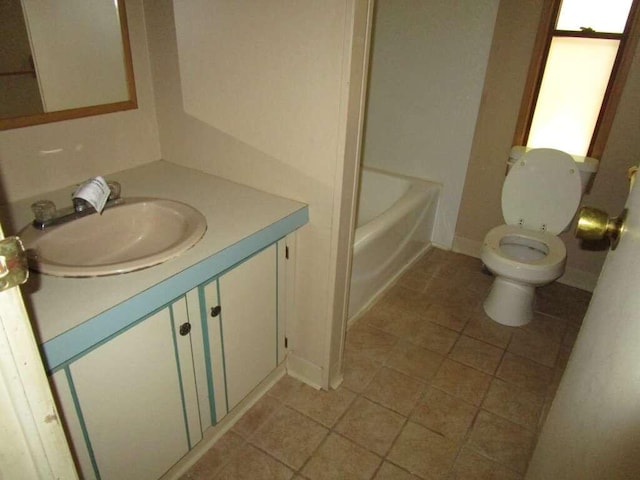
(540, 197)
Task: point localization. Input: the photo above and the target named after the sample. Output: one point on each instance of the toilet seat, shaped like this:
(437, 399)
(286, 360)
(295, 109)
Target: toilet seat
(539, 271)
(542, 191)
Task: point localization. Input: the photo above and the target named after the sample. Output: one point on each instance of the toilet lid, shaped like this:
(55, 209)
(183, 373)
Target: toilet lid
(542, 191)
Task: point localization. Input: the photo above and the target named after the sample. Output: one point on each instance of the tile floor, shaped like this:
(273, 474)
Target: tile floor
(433, 389)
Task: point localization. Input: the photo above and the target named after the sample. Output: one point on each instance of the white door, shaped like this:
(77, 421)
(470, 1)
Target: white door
(33, 444)
(593, 427)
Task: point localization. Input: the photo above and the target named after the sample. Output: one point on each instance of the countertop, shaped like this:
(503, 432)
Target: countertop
(240, 222)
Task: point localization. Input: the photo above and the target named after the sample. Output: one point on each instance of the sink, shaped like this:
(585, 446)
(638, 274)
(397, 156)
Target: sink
(135, 234)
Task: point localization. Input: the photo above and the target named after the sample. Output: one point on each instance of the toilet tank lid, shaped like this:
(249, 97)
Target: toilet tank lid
(585, 164)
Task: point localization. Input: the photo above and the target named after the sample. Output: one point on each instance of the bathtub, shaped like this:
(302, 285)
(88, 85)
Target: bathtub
(395, 220)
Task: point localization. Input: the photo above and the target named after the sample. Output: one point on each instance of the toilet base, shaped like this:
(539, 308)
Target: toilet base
(510, 303)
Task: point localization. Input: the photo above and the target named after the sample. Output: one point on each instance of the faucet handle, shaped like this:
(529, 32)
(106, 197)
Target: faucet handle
(115, 189)
(43, 210)
(80, 204)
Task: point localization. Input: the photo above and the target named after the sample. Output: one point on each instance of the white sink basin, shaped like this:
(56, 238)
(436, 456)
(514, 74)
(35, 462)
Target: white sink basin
(139, 233)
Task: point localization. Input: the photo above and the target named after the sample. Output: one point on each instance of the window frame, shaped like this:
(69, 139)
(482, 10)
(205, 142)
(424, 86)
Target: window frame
(622, 64)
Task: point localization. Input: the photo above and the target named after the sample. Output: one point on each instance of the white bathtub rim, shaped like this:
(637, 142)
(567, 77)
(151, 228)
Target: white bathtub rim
(416, 194)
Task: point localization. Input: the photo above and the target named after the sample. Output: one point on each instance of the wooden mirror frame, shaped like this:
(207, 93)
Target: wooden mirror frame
(130, 104)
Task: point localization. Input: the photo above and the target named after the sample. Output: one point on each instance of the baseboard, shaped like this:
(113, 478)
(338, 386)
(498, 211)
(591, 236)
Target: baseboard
(304, 370)
(572, 276)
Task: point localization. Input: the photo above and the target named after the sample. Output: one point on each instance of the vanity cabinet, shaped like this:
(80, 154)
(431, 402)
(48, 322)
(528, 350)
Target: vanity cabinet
(130, 405)
(138, 402)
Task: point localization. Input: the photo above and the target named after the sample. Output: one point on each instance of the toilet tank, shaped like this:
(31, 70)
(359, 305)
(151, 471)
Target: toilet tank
(587, 166)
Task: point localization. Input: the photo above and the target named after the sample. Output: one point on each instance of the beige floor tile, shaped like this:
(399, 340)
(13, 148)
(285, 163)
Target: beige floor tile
(403, 299)
(461, 381)
(338, 458)
(451, 318)
(439, 297)
(483, 328)
(552, 388)
(516, 404)
(325, 407)
(551, 328)
(459, 260)
(395, 321)
(570, 335)
(252, 464)
(370, 341)
(524, 373)
(471, 466)
(423, 452)
(534, 347)
(562, 301)
(388, 471)
(289, 436)
(371, 425)
(469, 284)
(415, 279)
(359, 370)
(443, 290)
(256, 416)
(563, 357)
(434, 337)
(473, 280)
(476, 354)
(284, 387)
(501, 440)
(395, 390)
(215, 458)
(414, 361)
(444, 414)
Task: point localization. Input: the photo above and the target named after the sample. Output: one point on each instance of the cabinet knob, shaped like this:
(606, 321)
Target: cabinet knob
(215, 311)
(185, 328)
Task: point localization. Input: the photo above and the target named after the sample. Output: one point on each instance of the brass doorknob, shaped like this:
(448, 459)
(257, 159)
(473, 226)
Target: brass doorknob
(594, 224)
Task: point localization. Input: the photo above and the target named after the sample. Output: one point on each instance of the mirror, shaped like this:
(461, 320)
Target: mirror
(63, 60)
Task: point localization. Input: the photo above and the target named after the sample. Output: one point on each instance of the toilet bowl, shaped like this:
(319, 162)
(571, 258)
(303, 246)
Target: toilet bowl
(540, 196)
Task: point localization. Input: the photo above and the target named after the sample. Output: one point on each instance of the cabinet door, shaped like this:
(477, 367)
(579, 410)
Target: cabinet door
(242, 330)
(248, 297)
(135, 398)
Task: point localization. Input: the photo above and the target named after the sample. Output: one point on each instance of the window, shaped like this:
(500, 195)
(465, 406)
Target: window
(581, 59)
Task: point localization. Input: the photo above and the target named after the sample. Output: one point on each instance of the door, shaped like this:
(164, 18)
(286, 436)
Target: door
(593, 427)
(28, 417)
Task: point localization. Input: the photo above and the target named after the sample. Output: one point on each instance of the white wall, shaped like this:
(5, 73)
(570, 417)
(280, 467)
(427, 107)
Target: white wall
(427, 73)
(256, 92)
(47, 157)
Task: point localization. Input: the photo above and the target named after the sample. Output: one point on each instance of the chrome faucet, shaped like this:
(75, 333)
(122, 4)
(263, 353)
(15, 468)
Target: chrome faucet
(46, 214)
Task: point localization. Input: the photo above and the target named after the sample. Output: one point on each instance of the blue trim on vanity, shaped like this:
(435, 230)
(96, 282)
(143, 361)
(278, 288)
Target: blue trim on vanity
(62, 349)
(174, 339)
(83, 425)
(204, 319)
(224, 357)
